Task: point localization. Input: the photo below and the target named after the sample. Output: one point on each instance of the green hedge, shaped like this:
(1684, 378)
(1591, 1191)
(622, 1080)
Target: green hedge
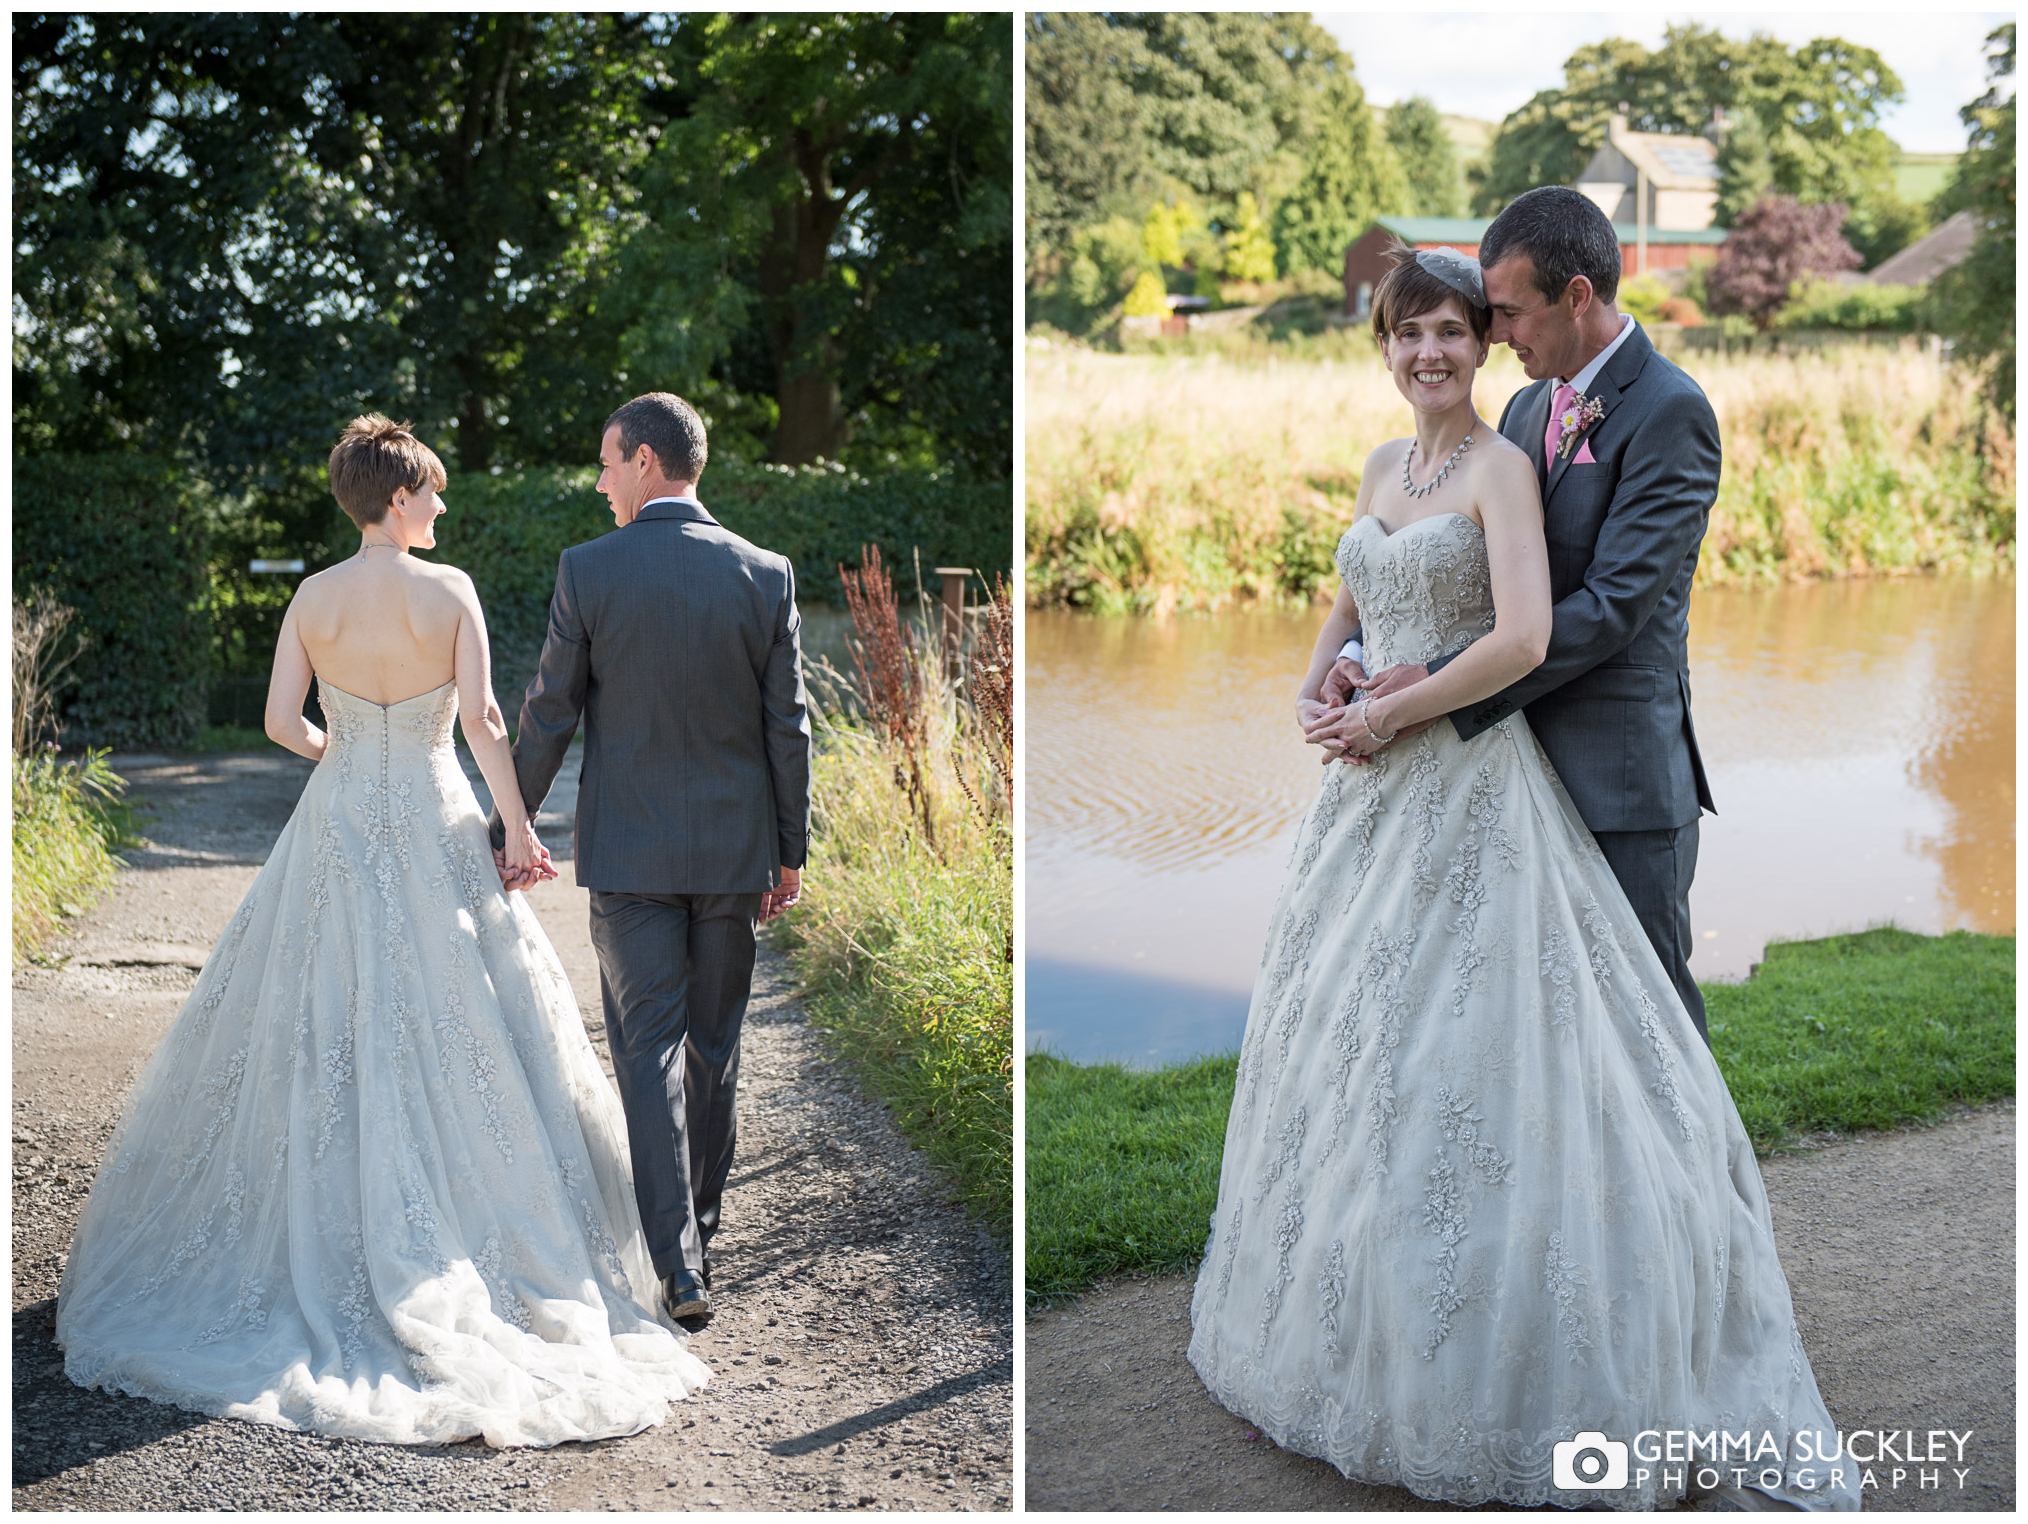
(507, 531)
(1858, 305)
(122, 539)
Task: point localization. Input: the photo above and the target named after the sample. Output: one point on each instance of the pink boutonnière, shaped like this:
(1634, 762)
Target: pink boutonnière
(1582, 413)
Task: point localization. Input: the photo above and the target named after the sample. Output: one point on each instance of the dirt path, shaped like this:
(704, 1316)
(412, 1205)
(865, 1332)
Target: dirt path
(1899, 1248)
(861, 1356)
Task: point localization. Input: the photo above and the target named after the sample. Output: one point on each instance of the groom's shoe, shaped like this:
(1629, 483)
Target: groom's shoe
(688, 1302)
(706, 1276)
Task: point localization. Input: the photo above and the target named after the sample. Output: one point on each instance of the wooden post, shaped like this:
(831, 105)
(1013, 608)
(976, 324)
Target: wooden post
(955, 578)
(1640, 221)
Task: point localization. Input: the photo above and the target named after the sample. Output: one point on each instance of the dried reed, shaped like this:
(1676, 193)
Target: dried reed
(891, 681)
(46, 642)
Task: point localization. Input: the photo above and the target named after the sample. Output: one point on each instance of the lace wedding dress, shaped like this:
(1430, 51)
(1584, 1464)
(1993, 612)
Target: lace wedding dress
(374, 1182)
(1483, 1186)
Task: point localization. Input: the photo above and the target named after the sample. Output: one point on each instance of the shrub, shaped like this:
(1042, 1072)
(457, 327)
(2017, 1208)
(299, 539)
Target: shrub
(1149, 298)
(122, 539)
(1644, 296)
(1680, 309)
(1828, 304)
(1775, 243)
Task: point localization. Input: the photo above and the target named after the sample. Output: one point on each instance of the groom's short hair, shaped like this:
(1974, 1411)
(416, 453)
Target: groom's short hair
(376, 458)
(1564, 235)
(669, 426)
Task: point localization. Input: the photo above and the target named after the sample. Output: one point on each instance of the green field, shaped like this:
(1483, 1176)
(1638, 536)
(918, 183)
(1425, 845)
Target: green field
(1878, 1029)
(1919, 176)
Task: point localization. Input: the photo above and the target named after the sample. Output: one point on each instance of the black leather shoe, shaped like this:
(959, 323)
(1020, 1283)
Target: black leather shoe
(706, 1276)
(688, 1302)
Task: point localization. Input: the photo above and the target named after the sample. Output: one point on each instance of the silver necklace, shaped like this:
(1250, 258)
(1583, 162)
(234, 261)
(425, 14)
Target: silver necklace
(1436, 481)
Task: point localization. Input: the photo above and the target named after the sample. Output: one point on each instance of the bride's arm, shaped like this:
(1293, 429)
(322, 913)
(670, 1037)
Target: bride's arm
(288, 685)
(1338, 627)
(1343, 619)
(487, 733)
(1510, 506)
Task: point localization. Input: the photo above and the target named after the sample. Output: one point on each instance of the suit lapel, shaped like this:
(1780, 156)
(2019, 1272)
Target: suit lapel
(1620, 372)
(1532, 419)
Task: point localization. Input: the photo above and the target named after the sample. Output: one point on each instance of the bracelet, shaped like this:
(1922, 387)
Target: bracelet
(1376, 735)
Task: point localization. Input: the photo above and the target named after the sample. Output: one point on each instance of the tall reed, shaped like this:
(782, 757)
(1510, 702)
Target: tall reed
(904, 939)
(1197, 482)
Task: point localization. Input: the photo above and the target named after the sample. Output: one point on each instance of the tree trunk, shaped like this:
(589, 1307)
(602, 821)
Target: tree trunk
(812, 423)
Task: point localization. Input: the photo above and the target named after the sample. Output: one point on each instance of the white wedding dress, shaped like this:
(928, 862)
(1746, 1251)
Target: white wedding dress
(1484, 1187)
(374, 1182)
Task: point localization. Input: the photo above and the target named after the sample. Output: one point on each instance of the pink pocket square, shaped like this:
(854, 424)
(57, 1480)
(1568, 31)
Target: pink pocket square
(1584, 457)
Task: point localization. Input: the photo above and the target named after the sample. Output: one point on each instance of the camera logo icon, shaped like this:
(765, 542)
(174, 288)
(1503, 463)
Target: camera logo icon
(1589, 1462)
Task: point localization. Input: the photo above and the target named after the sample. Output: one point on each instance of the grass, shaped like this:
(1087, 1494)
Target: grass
(69, 818)
(1877, 1029)
(903, 944)
(1160, 482)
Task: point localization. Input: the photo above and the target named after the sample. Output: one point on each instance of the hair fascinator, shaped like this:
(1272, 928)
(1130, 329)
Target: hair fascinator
(1458, 271)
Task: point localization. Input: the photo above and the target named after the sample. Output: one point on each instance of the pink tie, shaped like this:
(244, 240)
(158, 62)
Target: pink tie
(1566, 394)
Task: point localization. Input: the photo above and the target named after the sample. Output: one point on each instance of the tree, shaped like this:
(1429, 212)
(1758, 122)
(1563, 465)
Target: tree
(1249, 251)
(1800, 122)
(1087, 140)
(1975, 301)
(235, 231)
(799, 150)
(287, 219)
(1775, 243)
(1429, 162)
(1123, 106)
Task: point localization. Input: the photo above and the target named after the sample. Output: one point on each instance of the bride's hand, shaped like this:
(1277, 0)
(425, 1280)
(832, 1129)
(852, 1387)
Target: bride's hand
(525, 856)
(1307, 711)
(1342, 734)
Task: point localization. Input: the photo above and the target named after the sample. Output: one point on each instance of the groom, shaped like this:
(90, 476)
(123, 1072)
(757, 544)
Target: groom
(1627, 485)
(677, 642)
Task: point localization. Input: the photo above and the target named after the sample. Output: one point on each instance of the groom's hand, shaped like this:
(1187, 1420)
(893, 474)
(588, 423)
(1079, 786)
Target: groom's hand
(781, 898)
(1345, 675)
(523, 878)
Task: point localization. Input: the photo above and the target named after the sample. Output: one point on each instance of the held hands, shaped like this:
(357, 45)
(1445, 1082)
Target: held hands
(781, 898)
(524, 862)
(1338, 726)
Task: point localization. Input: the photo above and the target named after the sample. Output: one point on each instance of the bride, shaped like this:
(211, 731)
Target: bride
(1487, 1215)
(374, 1182)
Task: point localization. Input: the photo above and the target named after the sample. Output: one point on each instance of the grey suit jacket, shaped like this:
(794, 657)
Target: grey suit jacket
(678, 643)
(1611, 703)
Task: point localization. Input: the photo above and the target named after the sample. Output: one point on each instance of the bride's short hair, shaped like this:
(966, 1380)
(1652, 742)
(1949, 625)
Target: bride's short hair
(376, 458)
(1408, 291)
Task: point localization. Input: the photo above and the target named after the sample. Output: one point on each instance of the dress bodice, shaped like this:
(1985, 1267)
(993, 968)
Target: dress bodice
(413, 728)
(1424, 591)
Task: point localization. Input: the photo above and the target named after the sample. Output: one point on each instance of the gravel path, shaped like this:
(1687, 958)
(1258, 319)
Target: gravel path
(862, 1352)
(1899, 1249)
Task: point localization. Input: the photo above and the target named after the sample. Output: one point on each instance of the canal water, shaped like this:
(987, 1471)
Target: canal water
(1858, 735)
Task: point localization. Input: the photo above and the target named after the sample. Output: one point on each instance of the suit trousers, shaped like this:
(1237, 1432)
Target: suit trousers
(1655, 869)
(675, 971)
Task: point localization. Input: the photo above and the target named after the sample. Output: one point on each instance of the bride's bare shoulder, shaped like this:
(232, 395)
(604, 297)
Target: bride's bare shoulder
(1388, 453)
(1497, 446)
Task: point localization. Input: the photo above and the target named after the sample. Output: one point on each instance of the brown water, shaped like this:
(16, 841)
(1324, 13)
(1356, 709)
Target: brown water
(1859, 739)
